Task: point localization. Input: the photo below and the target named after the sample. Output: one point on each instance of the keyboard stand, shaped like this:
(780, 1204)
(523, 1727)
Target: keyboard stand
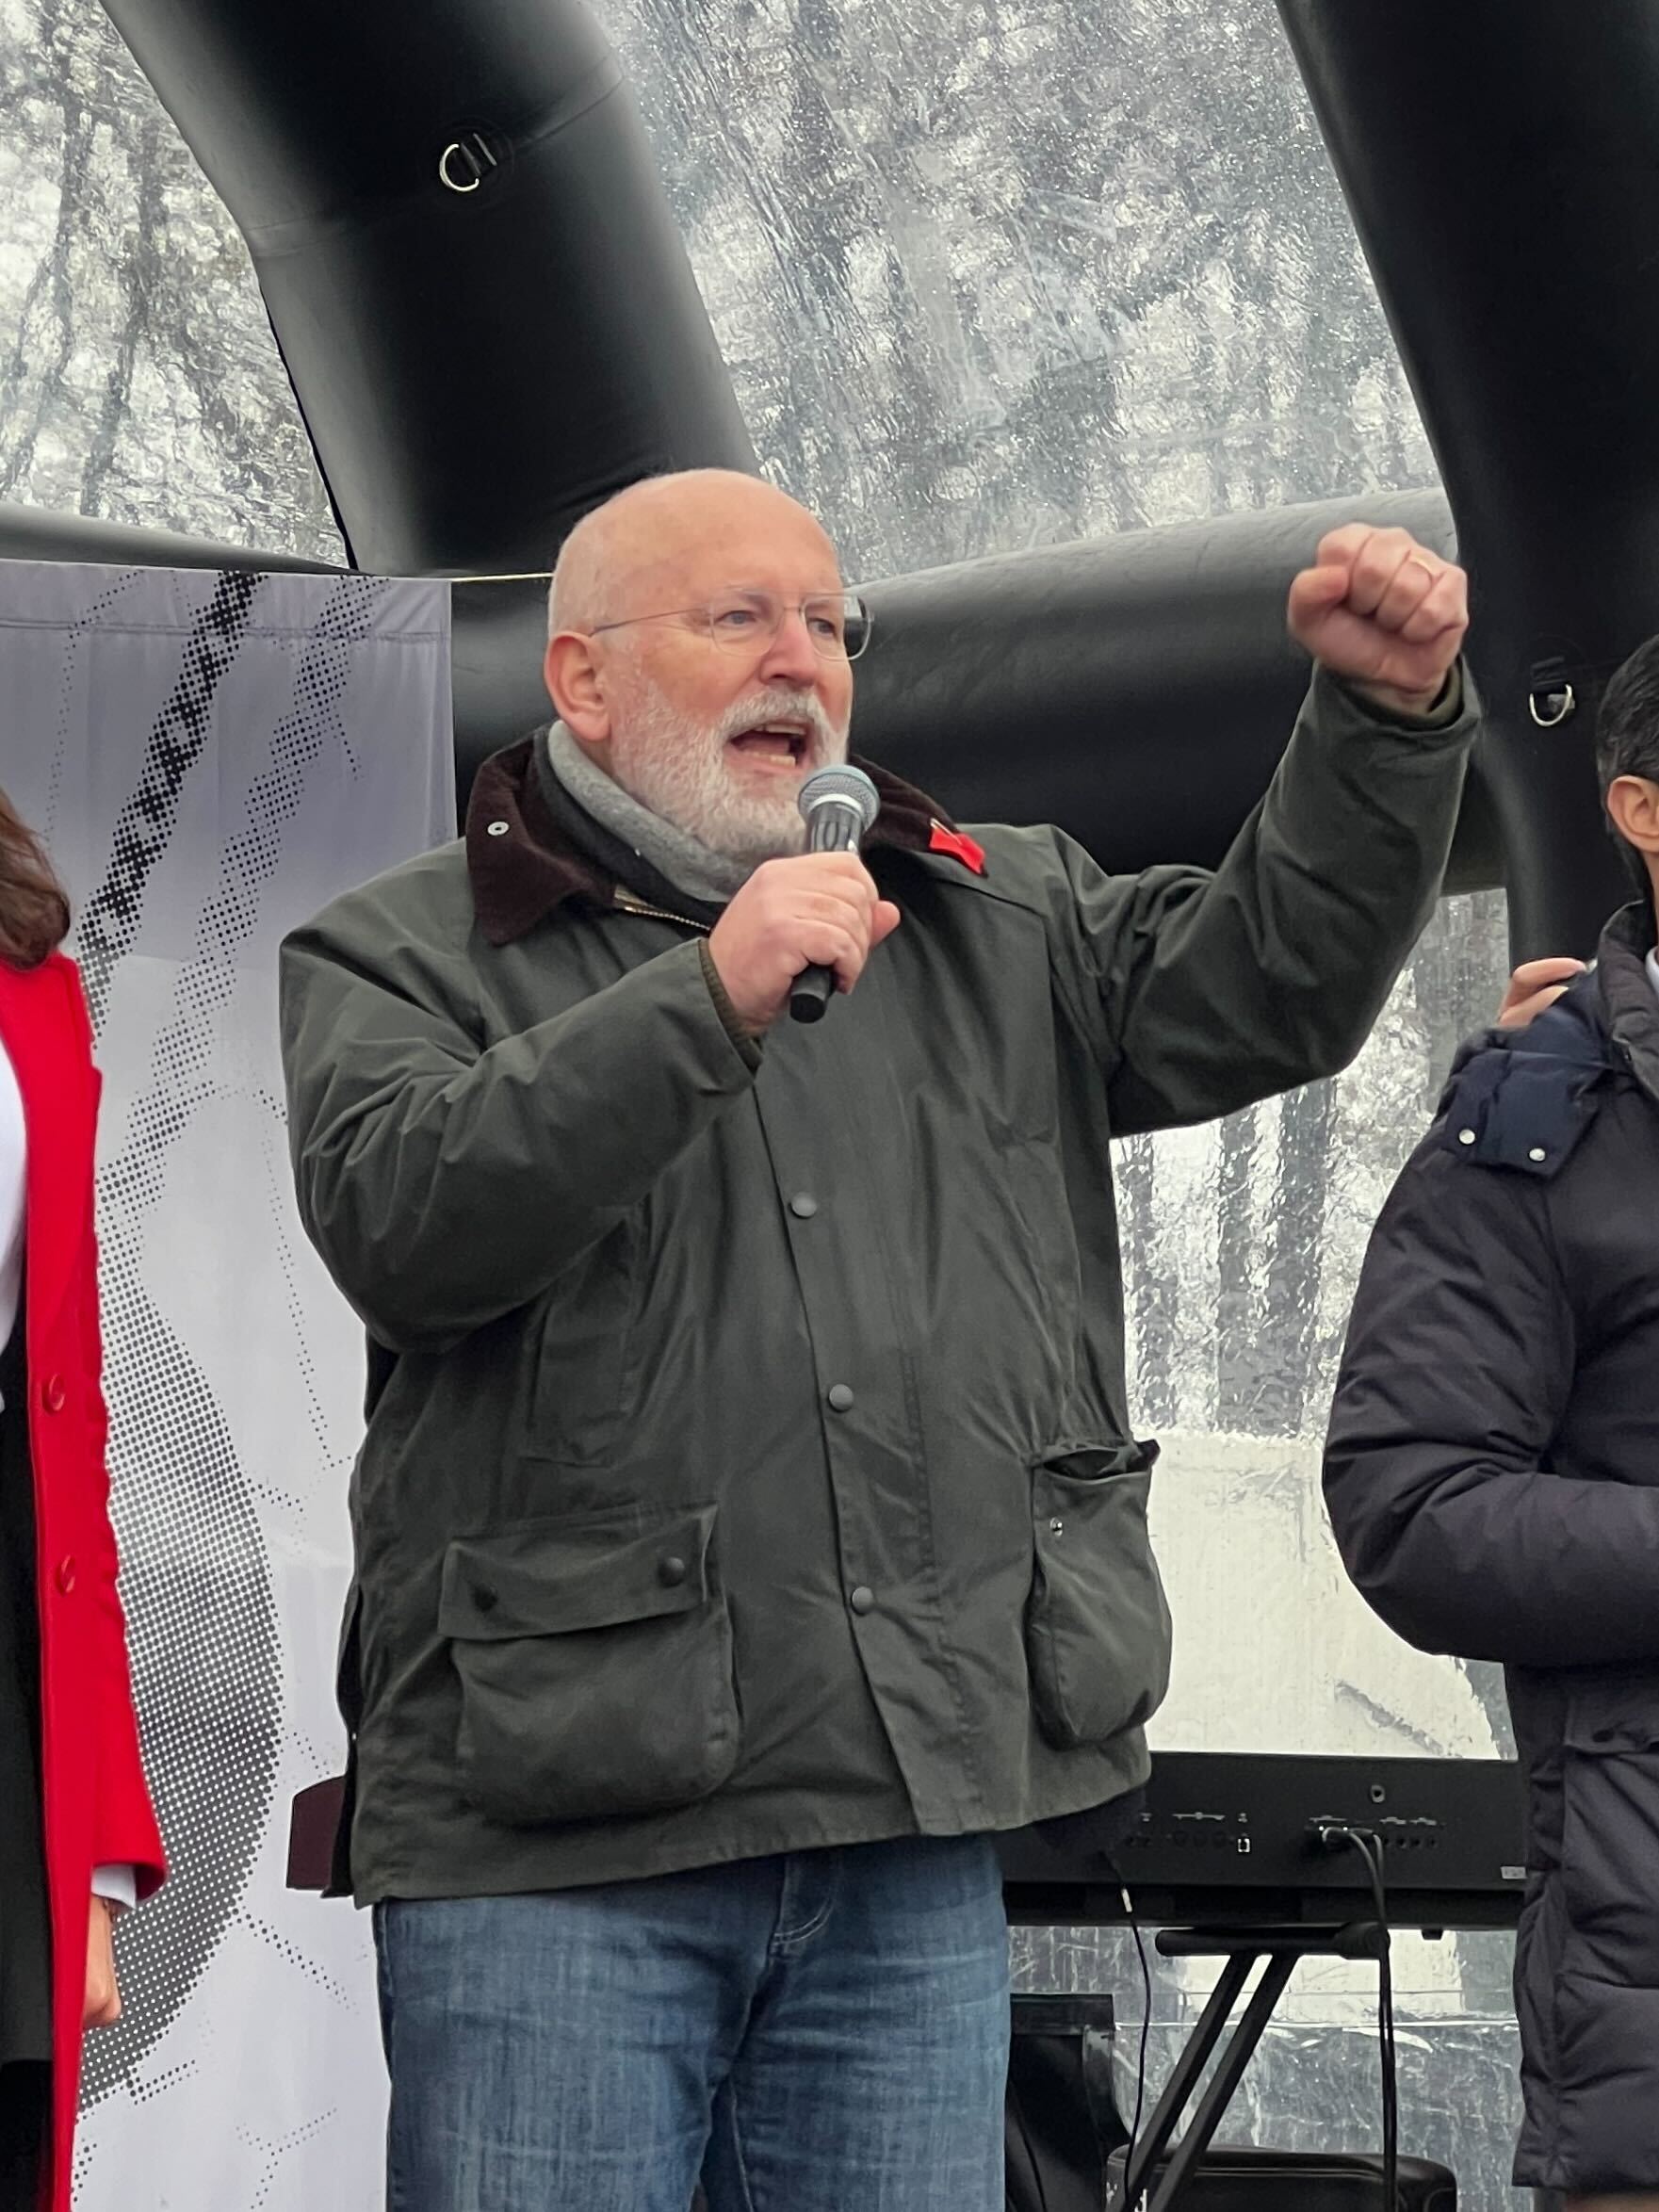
(1278, 1949)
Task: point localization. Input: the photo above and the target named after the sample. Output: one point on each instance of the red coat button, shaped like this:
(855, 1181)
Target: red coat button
(53, 1393)
(66, 1575)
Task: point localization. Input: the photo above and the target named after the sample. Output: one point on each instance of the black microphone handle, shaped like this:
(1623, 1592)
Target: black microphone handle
(811, 992)
(834, 827)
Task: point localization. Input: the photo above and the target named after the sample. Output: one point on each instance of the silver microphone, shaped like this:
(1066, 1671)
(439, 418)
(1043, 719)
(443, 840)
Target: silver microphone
(839, 805)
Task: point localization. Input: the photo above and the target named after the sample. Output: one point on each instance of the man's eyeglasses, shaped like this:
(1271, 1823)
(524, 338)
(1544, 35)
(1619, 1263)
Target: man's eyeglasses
(741, 619)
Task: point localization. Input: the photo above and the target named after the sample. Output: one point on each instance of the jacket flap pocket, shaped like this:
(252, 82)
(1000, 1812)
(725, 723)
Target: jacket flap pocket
(1096, 1621)
(552, 1577)
(1077, 1462)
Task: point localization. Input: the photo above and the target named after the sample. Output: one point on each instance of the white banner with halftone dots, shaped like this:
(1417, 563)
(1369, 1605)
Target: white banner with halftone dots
(210, 757)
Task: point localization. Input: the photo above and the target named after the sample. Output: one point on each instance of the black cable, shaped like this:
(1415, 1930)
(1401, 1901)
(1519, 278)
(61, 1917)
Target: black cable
(1369, 1846)
(1371, 1851)
(1134, 1925)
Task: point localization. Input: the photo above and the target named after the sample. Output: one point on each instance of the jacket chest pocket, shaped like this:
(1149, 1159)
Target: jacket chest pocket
(1097, 1629)
(595, 1659)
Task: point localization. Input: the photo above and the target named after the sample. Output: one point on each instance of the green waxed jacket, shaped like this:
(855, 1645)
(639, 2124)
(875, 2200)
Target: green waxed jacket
(748, 1465)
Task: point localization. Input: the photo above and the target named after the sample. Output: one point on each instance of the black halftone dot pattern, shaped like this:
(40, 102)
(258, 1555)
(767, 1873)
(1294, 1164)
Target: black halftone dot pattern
(205, 1640)
(111, 917)
(320, 1761)
(278, 1190)
(293, 1956)
(274, 2152)
(206, 1667)
(142, 2088)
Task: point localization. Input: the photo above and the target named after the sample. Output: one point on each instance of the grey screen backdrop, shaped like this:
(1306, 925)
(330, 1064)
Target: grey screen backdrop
(211, 757)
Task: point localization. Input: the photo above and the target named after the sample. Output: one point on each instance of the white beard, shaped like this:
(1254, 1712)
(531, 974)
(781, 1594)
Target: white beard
(679, 768)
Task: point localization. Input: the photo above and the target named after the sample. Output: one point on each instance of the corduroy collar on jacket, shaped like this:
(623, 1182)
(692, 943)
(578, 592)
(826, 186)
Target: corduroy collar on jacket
(524, 863)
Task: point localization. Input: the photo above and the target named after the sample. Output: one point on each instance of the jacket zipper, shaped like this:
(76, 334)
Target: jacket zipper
(627, 904)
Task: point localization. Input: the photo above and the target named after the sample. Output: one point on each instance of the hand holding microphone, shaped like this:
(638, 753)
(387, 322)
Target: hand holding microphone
(839, 805)
(819, 912)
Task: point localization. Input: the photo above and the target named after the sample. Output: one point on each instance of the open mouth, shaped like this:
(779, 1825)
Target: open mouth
(774, 746)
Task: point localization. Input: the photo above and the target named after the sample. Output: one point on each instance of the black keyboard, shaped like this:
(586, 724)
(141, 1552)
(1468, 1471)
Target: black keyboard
(1235, 1837)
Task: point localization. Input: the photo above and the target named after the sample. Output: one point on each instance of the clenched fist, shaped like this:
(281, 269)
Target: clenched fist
(819, 910)
(1384, 612)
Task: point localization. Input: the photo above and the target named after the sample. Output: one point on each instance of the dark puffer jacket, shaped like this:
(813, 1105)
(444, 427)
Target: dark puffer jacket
(1493, 1477)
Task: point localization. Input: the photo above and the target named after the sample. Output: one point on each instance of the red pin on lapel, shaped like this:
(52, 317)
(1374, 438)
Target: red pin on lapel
(959, 846)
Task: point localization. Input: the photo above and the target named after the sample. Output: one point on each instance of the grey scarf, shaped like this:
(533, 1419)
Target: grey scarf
(682, 859)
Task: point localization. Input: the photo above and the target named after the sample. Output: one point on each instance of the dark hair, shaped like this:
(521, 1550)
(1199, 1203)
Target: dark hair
(34, 908)
(1627, 739)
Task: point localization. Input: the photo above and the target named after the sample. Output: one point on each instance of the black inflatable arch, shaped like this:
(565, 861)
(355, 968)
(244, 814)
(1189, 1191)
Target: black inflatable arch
(1499, 164)
(1137, 690)
(490, 323)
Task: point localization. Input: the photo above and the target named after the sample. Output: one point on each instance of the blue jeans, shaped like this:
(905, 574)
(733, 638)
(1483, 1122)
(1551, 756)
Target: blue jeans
(823, 2032)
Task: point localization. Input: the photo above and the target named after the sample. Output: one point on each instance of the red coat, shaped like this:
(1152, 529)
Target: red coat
(97, 1807)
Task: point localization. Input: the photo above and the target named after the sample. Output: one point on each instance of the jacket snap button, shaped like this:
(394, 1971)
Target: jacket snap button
(1537, 1152)
(1466, 1137)
(484, 1597)
(53, 1393)
(1056, 1527)
(862, 1599)
(840, 1397)
(66, 1575)
(804, 1205)
(497, 829)
(671, 1572)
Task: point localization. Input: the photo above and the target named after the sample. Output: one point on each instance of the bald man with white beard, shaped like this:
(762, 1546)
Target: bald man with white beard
(749, 1525)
